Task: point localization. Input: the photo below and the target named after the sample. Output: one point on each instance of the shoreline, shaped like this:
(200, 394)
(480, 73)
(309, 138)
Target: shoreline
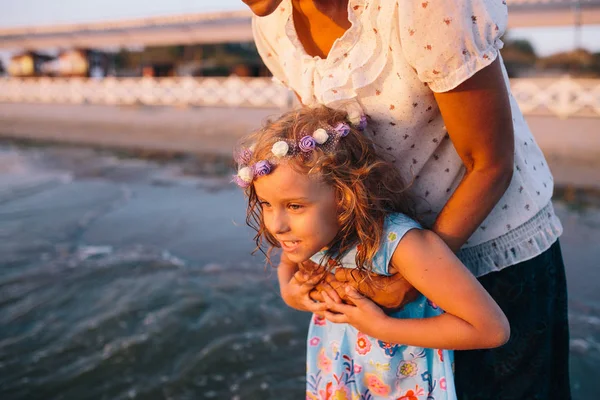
(571, 146)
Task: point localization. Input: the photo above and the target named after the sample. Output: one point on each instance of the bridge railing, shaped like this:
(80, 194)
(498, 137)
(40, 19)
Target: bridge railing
(563, 97)
(232, 91)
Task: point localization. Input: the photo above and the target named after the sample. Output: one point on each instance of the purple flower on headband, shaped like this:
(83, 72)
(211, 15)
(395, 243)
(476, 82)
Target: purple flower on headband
(240, 182)
(362, 124)
(262, 168)
(243, 156)
(342, 129)
(307, 144)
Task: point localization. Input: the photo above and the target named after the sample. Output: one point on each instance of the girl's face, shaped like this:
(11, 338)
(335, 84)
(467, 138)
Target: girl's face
(262, 7)
(298, 210)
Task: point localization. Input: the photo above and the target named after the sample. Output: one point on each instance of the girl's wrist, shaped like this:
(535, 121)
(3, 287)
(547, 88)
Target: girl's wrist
(378, 325)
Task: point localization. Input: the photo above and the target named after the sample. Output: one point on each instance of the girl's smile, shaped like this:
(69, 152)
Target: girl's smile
(300, 211)
(289, 245)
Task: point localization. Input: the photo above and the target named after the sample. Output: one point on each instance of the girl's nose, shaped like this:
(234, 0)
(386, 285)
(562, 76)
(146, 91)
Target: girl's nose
(280, 223)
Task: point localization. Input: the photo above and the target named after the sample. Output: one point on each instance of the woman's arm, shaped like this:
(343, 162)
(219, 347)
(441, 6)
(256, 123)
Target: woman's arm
(479, 121)
(472, 319)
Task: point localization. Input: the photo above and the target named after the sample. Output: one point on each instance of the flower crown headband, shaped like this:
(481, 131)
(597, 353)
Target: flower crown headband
(323, 138)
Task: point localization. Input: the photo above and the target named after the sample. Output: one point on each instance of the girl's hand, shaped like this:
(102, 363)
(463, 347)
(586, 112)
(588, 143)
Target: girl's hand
(363, 314)
(296, 293)
(390, 292)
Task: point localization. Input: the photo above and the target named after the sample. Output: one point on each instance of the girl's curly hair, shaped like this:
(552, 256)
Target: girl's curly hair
(367, 187)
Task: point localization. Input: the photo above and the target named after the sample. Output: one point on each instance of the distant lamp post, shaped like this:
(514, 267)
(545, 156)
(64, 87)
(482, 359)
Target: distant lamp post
(576, 7)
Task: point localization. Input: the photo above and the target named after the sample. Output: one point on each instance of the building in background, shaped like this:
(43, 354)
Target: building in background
(27, 64)
(220, 59)
(77, 63)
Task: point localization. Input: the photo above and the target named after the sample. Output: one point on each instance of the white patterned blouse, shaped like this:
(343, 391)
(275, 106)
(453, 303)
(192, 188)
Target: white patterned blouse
(389, 63)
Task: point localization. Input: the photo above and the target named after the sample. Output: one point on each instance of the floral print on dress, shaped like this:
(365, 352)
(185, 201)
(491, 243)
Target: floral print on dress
(347, 363)
(363, 344)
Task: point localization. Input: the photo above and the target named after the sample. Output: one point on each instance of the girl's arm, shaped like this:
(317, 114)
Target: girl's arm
(472, 319)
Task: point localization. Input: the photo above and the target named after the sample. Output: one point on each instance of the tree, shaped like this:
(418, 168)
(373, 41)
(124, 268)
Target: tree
(519, 56)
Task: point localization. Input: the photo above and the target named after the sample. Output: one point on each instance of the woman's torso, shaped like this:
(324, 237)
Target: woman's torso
(368, 68)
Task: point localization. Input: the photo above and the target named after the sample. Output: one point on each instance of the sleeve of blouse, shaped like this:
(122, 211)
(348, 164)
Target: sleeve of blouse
(268, 53)
(447, 42)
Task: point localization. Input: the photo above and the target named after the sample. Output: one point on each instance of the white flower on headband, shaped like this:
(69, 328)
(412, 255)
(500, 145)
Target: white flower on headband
(320, 135)
(253, 147)
(246, 174)
(354, 116)
(280, 149)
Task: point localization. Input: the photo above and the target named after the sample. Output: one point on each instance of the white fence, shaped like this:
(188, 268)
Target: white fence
(233, 91)
(563, 97)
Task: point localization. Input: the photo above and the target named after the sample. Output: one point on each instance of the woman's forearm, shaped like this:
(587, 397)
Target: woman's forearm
(472, 201)
(478, 117)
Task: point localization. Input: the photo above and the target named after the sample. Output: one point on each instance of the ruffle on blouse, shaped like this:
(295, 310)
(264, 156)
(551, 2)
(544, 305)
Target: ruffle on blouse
(346, 69)
(519, 245)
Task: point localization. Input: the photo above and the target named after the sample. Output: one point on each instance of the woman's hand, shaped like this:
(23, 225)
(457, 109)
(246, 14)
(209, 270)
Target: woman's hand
(389, 292)
(362, 314)
(328, 281)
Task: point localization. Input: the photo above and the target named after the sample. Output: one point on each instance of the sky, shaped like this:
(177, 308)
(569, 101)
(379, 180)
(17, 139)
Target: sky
(14, 13)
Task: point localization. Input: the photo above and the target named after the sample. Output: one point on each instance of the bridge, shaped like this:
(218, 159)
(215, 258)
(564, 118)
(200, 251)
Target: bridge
(234, 26)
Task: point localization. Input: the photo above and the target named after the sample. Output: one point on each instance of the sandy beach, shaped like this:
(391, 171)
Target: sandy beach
(572, 146)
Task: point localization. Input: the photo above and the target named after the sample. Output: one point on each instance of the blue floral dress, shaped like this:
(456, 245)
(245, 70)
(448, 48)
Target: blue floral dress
(343, 363)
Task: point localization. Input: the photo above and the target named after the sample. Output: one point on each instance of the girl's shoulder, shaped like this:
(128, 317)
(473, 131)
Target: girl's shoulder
(399, 222)
(395, 227)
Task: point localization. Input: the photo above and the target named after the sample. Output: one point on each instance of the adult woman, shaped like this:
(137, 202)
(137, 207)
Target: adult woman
(430, 77)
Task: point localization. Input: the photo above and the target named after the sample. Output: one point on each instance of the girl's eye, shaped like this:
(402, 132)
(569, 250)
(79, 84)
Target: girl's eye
(263, 204)
(295, 206)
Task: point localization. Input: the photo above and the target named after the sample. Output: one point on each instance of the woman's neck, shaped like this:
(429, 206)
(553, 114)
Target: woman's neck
(329, 7)
(319, 23)
(335, 10)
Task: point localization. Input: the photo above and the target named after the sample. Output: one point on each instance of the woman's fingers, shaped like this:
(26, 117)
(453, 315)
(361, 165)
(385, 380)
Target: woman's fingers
(356, 298)
(306, 279)
(311, 268)
(315, 295)
(349, 275)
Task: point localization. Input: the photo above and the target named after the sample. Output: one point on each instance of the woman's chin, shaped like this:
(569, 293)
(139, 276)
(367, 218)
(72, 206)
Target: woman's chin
(262, 8)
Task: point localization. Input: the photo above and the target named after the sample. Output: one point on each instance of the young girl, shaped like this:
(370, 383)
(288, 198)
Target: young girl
(317, 189)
